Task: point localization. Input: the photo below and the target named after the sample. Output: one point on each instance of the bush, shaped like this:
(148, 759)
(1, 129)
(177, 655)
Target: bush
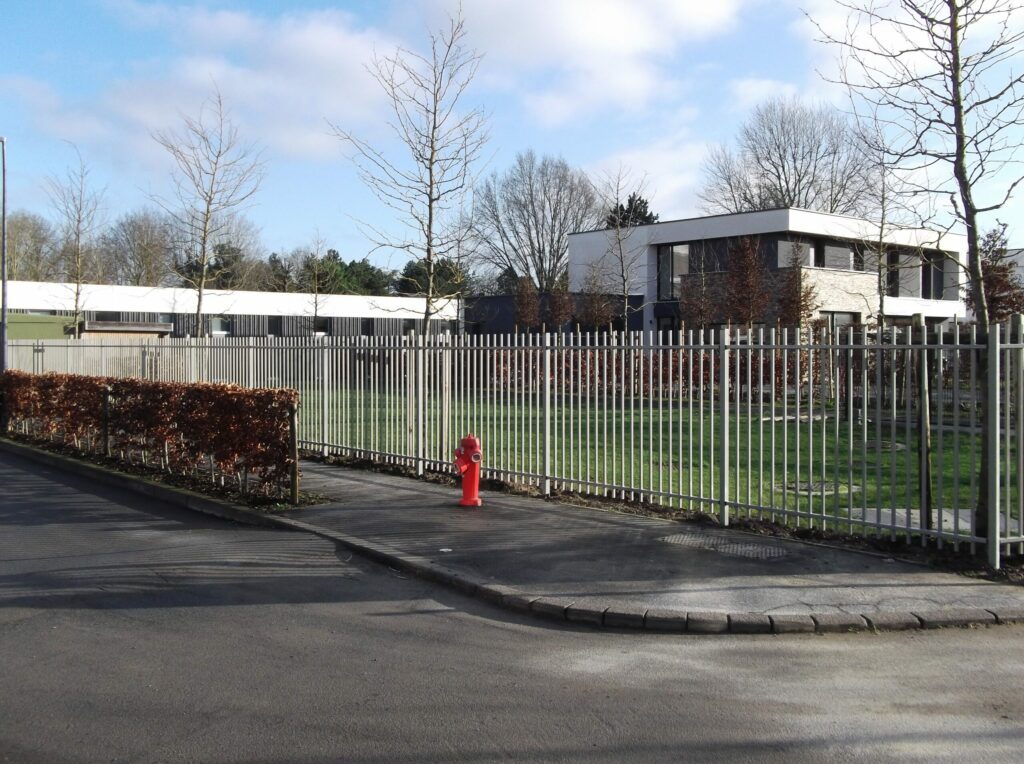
(181, 427)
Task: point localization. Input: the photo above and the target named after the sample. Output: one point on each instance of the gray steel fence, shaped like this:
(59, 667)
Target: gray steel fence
(871, 434)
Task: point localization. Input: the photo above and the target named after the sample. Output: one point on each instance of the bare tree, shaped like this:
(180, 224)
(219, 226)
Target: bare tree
(798, 299)
(622, 196)
(596, 308)
(698, 296)
(522, 218)
(527, 305)
(427, 185)
(215, 174)
(316, 275)
(746, 293)
(140, 245)
(32, 253)
(789, 154)
(940, 74)
(560, 306)
(77, 208)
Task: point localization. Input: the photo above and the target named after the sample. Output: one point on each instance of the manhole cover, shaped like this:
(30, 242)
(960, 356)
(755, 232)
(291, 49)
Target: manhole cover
(726, 546)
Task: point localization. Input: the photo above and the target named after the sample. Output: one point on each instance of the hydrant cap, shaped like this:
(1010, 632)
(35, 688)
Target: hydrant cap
(471, 443)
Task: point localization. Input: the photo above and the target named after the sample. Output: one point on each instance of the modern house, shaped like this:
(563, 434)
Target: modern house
(855, 268)
(39, 309)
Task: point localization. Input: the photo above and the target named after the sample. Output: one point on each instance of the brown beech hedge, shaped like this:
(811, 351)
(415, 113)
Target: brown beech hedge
(230, 431)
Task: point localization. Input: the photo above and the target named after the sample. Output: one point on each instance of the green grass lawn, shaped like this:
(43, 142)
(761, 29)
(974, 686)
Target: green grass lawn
(672, 452)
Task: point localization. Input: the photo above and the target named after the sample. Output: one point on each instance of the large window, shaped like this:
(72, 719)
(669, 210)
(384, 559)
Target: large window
(892, 274)
(220, 325)
(932, 271)
(673, 264)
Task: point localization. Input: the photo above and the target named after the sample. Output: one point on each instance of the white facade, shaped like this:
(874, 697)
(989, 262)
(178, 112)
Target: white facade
(43, 296)
(593, 254)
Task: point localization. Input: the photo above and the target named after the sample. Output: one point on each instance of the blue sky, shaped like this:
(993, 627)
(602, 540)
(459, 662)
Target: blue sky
(646, 83)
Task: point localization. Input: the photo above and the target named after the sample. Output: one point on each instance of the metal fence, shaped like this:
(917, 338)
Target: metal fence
(871, 434)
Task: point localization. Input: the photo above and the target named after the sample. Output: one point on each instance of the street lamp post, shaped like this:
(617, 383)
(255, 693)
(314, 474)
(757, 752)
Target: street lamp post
(3, 257)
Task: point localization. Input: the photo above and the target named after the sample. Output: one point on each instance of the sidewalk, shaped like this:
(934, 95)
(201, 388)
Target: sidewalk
(620, 570)
(603, 568)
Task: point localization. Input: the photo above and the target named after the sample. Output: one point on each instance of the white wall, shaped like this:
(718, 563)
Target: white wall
(31, 295)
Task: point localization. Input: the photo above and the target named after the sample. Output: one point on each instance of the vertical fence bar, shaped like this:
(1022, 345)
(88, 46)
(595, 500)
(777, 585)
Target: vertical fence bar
(324, 392)
(924, 438)
(992, 446)
(293, 449)
(420, 403)
(723, 430)
(1017, 386)
(546, 470)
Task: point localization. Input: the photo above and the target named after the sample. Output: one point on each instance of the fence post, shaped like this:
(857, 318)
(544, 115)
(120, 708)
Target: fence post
(420, 403)
(324, 393)
(106, 421)
(992, 446)
(924, 435)
(546, 445)
(723, 407)
(293, 450)
(1017, 325)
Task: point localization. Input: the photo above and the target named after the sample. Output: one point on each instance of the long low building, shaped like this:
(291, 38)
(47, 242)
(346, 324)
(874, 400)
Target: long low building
(41, 309)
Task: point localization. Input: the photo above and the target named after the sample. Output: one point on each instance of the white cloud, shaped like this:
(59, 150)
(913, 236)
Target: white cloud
(571, 58)
(282, 78)
(670, 165)
(750, 91)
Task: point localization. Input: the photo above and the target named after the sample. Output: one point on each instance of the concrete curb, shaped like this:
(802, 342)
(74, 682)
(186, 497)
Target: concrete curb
(180, 497)
(549, 607)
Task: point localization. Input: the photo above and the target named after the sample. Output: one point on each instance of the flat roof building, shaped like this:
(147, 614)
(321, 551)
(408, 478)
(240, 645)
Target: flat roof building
(919, 272)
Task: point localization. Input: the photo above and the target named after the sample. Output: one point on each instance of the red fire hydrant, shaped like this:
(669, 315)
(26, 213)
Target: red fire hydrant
(467, 461)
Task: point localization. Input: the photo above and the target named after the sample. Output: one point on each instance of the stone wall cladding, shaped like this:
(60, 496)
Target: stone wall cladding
(844, 291)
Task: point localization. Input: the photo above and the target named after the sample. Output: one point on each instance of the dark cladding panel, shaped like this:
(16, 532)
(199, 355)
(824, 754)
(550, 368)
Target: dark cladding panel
(250, 326)
(787, 249)
(951, 281)
(838, 256)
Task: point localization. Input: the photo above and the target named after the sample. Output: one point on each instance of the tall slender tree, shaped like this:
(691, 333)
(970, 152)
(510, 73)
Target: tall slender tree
(215, 175)
(623, 197)
(427, 183)
(76, 205)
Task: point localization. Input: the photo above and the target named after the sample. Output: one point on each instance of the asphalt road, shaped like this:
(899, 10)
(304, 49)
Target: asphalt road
(135, 631)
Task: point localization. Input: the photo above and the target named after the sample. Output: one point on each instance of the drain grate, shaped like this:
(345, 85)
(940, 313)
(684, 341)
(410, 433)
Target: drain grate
(725, 546)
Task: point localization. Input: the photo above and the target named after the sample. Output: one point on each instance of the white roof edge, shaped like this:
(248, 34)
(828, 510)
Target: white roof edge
(36, 295)
(789, 219)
